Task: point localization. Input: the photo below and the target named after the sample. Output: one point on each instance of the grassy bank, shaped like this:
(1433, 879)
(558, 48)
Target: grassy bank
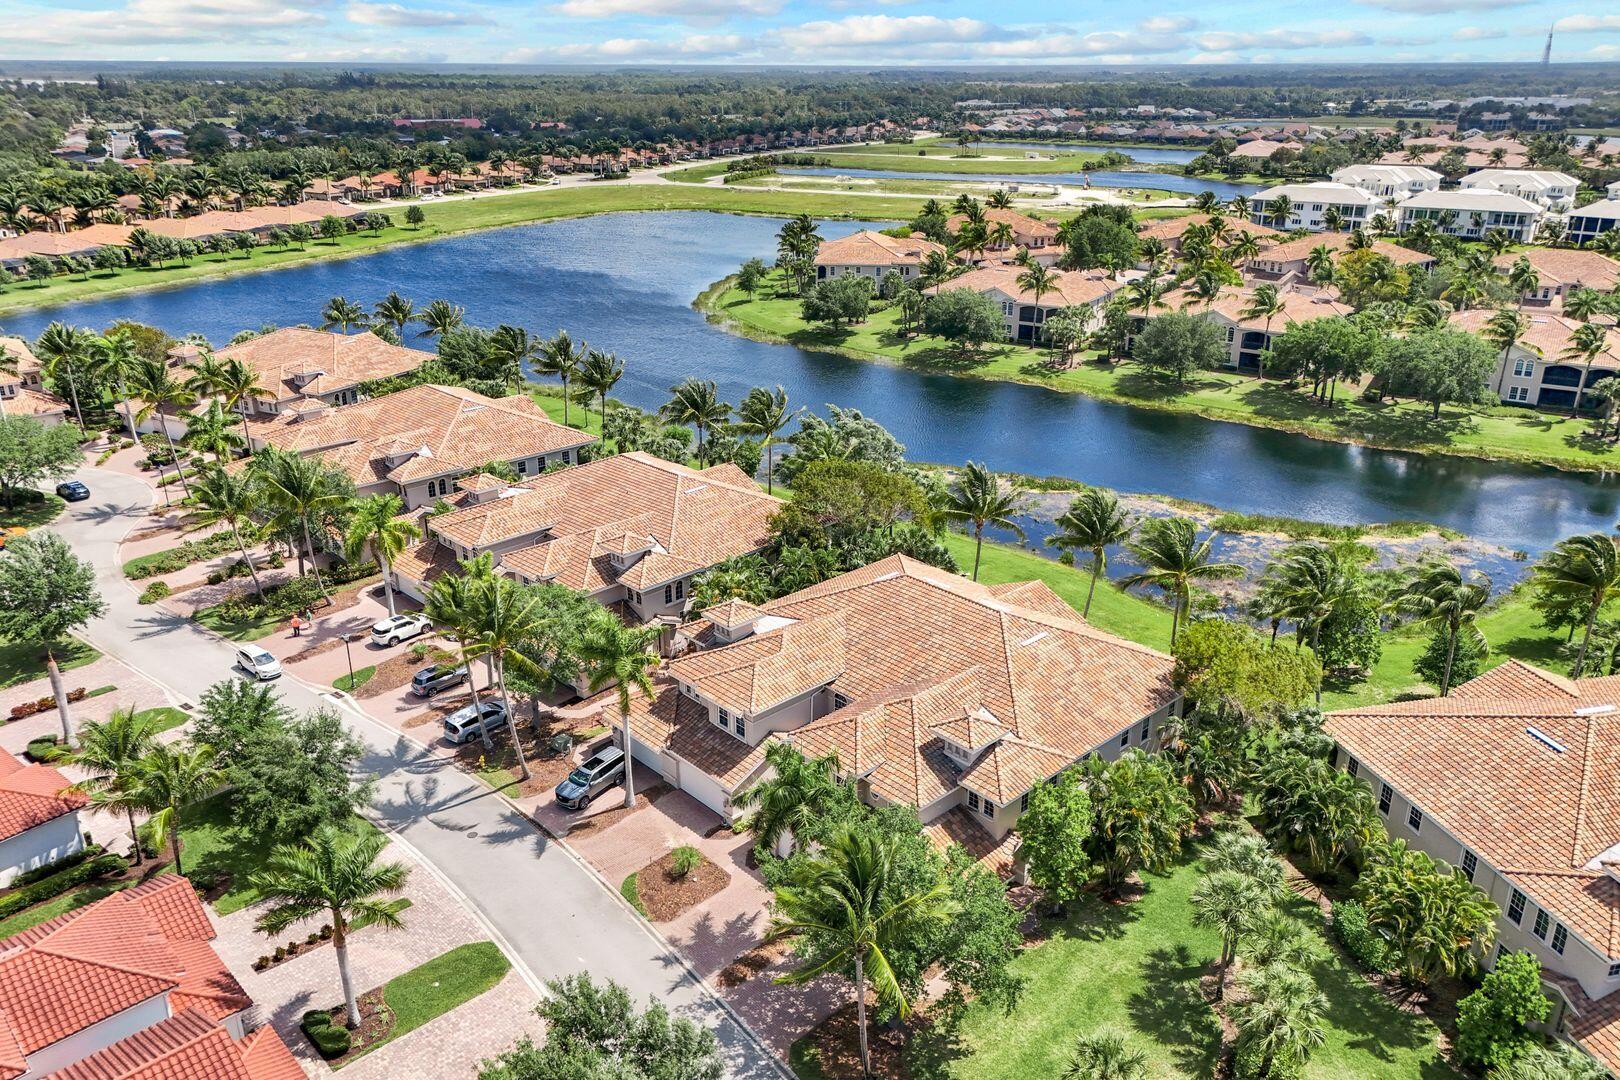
(1497, 433)
(448, 217)
(909, 159)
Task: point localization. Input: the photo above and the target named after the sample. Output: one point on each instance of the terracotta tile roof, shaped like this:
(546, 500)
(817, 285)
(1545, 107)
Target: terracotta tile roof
(871, 248)
(1548, 334)
(18, 350)
(1298, 249)
(958, 826)
(481, 482)
(80, 968)
(1024, 227)
(1170, 229)
(1566, 266)
(1011, 767)
(188, 1046)
(1523, 767)
(31, 795)
(286, 360)
(425, 561)
(770, 668)
(1298, 306)
(675, 723)
(732, 613)
(1070, 288)
(419, 432)
(27, 402)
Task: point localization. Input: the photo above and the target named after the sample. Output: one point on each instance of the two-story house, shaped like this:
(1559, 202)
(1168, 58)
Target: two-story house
(1023, 313)
(1471, 214)
(1039, 238)
(1170, 231)
(1249, 336)
(933, 691)
(39, 817)
(1388, 181)
(1560, 271)
(631, 531)
(1586, 223)
(296, 364)
(872, 254)
(420, 442)
(1540, 369)
(1551, 190)
(22, 392)
(1307, 205)
(1288, 263)
(1513, 779)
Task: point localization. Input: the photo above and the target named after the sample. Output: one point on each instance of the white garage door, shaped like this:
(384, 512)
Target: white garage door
(652, 759)
(702, 787)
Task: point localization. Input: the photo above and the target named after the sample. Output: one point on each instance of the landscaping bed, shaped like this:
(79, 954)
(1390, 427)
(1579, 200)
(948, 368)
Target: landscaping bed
(665, 893)
(754, 961)
(396, 671)
(547, 767)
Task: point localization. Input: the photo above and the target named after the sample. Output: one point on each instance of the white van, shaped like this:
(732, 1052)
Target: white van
(257, 662)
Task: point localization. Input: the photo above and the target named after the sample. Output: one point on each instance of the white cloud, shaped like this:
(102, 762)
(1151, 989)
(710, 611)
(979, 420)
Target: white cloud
(399, 15)
(1604, 52)
(1225, 41)
(1580, 24)
(864, 31)
(1167, 24)
(161, 22)
(1102, 45)
(1215, 58)
(384, 54)
(1442, 7)
(690, 10)
(639, 50)
(1478, 33)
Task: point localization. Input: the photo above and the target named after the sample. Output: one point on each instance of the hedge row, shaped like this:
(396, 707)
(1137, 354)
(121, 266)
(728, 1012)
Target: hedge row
(181, 556)
(57, 884)
(44, 704)
(40, 873)
(330, 1040)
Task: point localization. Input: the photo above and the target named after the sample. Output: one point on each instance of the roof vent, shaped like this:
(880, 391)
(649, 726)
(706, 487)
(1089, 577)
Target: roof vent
(890, 576)
(695, 488)
(1594, 710)
(1033, 638)
(1544, 739)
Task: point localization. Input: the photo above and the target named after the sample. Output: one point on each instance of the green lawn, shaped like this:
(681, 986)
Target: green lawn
(549, 397)
(60, 905)
(166, 717)
(949, 159)
(433, 989)
(1492, 432)
(42, 509)
(210, 841)
(361, 677)
(1135, 968)
(232, 630)
(21, 663)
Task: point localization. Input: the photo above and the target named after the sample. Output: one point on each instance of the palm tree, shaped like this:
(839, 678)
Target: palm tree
(1583, 570)
(1504, 329)
(1313, 583)
(111, 752)
(1581, 304)
(599, 374)
(396, 311)
(1278, 210)
(343, 314)
(1319, 264)
(113, 358)
(1144, 293)
(848, 897)
(210, 432)
(935, 268)
(696, 402)
(504, 615)
(622, 657)
(232, 499)
(1265, 303)
(1332, 219)
(1244, 248)
(378, 529)
(1039, 280)
(1523, 279)
(1093, 522)
(451, 605)
(334, 873)
(765, 413)
(561, 359)
(61, 348)
(794, 797)
(239, 383)
(169, 779)
(1280, 1021)
(1588, 342)
(512, 348)
(1437, 593)
(1173, 559)
(1228, 903)
(159, 390)
(438, 317)
(297, 490)
(977, 497)
(1105, 1056)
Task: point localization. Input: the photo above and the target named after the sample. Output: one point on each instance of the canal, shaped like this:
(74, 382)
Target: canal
(1107, 178)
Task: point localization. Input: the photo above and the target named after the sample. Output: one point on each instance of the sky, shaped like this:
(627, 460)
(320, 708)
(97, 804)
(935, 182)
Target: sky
(862, 32)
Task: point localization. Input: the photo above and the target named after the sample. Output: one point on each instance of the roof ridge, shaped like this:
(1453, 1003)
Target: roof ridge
(1581, 800)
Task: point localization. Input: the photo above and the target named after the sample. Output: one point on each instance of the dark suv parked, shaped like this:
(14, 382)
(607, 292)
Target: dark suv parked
(602, 770)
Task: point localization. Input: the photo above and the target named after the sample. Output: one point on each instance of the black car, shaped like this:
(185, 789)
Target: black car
(435, 677)
(73, 491)
(602, 770)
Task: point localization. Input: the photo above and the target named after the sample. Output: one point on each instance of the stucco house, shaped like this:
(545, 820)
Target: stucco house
(1024, 314)
(39, 817)
(1561, 271)
(934, 691)
(1548, 189)
(23, 393)
(1286, 263)
(1512, 779)
(1248, 337)
(1039, 238)
(1470, 214)
(1539, 370)
(1388, 181)
(1169, 231)
(1307, 203)
(872, 254)
(297, 364)
(1586, 223)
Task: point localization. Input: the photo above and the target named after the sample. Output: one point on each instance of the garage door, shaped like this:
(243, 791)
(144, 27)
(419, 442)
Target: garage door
(653, 759)
(703, 787)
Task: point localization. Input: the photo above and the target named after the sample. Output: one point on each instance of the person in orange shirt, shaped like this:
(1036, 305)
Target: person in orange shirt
(297, 623)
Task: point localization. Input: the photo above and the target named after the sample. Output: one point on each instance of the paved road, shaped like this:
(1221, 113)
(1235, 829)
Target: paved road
(552, 912)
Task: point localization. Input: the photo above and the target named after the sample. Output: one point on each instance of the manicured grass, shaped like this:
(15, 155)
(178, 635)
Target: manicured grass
(1135, 968)
(20, 663)
(361, 677)
(630, 889)
(947, 159)
(42, 509)
(211, 841)
(462, 215)
(233, 630)
(427, 992)
(165, 716)
(60, 905)
(1113, 609)
(1491, 432)
(549, 397)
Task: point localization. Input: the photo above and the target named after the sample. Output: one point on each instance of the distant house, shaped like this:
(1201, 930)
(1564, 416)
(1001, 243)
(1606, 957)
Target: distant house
(39, 817)
(1024, 313)
(24, 393)
(297, 364)
(1247, 338)
(1548, 189)
(1286, 263)
(1039, 238)
(1561, 271)
(1471, 213)
(1261, 149)
(872, 254)
(1169, 231)
(1388, 181)
(1586, 223)
(1538, 371)
(1307, 203)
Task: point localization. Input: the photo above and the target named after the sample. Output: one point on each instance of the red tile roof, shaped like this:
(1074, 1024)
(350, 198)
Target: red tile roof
(31, 795)
(188, 1046)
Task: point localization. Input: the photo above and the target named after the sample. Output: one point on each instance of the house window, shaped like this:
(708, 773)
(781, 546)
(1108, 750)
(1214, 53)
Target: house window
(1470, 865)
(1560, 939)
(989, 808)
(680, 589)
(1414, 818)
(669, 594)
(1518, 393)
(1142, 738)
(1614, 970)
(725, 719)
(1385, 794)
(1524, 367)
(1023, 802)
(1540, 927)
(973, 801)
(1516, 908)
(1125, 739)
(839, 700)
(522, 466)
(739, 725)
(1354, 767)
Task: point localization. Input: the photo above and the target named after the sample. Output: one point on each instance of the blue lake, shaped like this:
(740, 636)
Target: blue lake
(1190, 185)
(625, 282)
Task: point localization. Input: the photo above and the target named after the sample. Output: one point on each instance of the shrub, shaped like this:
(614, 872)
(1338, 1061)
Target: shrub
(154, 592)
(1365, 947)
(59, 883)
(1493, 1022)
(315, 1018)
(330, 1042)
(326, 931)
(686, 859)
(45, 704)
(42, 748)
(40, 873)
(261, 963)
(280, 954)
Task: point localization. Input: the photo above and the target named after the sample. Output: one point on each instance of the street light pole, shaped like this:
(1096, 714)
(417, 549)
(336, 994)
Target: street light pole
(350, 657)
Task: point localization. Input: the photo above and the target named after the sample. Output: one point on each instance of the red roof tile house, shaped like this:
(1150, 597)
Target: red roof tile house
(933, 691)
(1515, 779)
(630, 530)
(1248, 337)
(23, 393)
(39, 817)
(296, 363)
(1022, 312)
(129, 987)
(872, 254)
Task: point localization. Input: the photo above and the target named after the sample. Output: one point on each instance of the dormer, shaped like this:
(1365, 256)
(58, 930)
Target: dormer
(627, 548)
(967, 737)
(733, 620)
(306, 410)
(481, 487)
(301, 379)
(400, 455)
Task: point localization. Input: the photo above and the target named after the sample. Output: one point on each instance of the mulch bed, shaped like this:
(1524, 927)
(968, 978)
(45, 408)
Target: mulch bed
(838, 1045)
(645, 797)
(754, 961)
(376, 1022)
(291, 951)
(665, 896)
(396, 671)
(314, 650)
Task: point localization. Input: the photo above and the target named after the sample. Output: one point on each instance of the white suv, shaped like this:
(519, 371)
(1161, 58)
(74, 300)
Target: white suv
(398, 628)
(257, 662)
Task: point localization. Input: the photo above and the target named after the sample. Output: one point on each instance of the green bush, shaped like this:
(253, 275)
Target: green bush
(40, 873)
(330, 1040)
(685, 859)
(154, 592)
(315, 1018)
(1493, 1023)
(1365, 947)
(57, 884)
(42, 748)
(181, 556)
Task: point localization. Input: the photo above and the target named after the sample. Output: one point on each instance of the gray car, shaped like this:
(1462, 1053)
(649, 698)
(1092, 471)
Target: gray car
(602, 770)
(472, 722)
(435, 677)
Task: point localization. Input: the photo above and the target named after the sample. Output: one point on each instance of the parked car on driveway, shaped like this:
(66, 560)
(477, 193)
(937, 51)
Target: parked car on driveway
(73, 491)
(257, 662)
(470, 723)
(602, 770)
(398, 628)
(435, 677)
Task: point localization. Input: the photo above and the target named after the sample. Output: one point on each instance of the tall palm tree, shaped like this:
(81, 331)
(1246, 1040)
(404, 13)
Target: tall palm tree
(439, 316)
(1313, 583)
(599, 374)
(504, 615)
(1505, 329)
(1588, 342)
(238, 384)
(1228, 903)
(1332, 219)
(1244, 248)
(848, 895)
(1038, 280)
(231, 499)
(1523, 279)
(396, 311)
(797, 794)
(561, 359)
(1143, 294)
(111, 752)
(1582, 569)
(334, 873)
(204, 374)
(1280, 1021)
(451, 604)
(765, 413)
(169, 779)
(210, 432)
(977, 497)
(1439, 594)
(296, 491)
(1093, 522)
(622, 657)
(1581, 304)
(1173, 559)
(62, 348)
(113, 358)
(159, 390)
(342, 314)
(378, 528)
(1264, 303)
(696, 402)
